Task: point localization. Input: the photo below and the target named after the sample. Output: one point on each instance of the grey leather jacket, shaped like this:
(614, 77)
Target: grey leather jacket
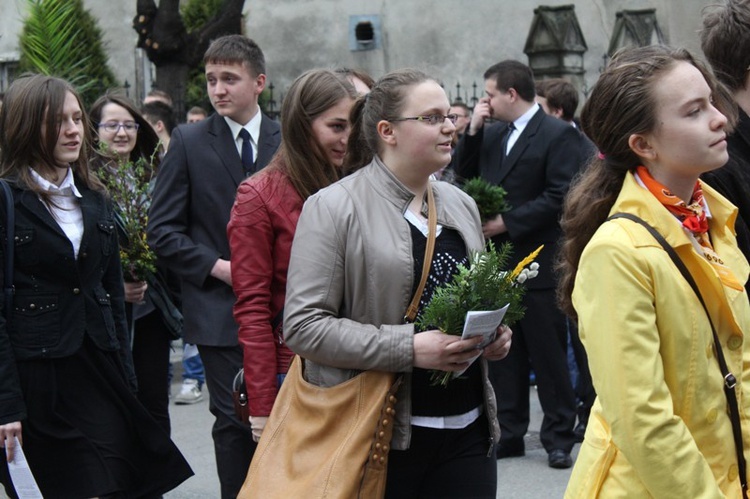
(350, 281)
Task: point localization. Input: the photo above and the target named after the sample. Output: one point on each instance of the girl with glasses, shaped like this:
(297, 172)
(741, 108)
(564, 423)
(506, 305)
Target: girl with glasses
(356, 261)
(121, 129)
(126, 138)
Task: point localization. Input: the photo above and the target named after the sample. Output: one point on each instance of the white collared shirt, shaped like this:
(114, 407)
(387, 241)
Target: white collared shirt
(421, 225)
(252, 126)
(64, 206)
(520, 125)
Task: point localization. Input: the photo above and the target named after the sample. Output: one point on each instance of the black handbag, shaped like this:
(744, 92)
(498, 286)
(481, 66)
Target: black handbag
(161, 297)
(239, 388)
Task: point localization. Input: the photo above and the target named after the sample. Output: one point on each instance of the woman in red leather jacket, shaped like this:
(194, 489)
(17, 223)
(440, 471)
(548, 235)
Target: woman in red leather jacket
(314, 133)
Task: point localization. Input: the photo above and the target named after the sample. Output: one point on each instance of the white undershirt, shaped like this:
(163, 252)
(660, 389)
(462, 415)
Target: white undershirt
(421, 224)
(457, 422)
(64, 206)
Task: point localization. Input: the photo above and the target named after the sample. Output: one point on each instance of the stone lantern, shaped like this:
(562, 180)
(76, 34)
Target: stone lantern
(555, 45)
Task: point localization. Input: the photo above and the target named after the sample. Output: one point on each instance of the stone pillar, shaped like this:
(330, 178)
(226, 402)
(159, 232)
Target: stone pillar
(555, 44)
(635, 28)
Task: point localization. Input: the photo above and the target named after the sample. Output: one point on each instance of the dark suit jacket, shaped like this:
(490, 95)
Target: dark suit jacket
(59, 299)
(536, 175)
(588, 149)
(192, 200)
(733, 182)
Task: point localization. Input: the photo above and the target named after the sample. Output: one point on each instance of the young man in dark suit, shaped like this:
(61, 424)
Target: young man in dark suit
(190, 210)
(533, 156)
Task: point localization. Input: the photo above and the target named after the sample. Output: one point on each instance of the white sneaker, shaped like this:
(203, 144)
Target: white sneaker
(189, 394)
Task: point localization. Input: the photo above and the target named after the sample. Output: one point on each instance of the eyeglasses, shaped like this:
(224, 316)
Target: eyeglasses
(114, 126)
(432, 119)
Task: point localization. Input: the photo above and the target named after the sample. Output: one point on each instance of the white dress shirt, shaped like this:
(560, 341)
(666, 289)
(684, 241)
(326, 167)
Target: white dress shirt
(64, 206)
(520, 125)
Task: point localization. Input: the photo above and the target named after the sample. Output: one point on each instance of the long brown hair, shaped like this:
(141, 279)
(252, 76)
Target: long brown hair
(385, 101)
(621, 104)
(302, 157)
(29, 129)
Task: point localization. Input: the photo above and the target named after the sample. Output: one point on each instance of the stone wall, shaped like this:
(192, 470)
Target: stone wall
(452, 40)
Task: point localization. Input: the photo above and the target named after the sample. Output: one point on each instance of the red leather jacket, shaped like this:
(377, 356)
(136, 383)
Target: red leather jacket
(261, 228)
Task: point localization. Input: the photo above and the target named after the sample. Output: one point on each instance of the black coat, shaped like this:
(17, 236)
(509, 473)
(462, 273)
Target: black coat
(57, 298)
(733, 182)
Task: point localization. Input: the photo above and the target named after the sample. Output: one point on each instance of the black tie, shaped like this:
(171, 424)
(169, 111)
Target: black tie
(247, 153)
(506, 137)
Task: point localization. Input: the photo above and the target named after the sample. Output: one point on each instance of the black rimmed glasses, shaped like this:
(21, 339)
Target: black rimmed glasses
(431, 119)
(114, 126)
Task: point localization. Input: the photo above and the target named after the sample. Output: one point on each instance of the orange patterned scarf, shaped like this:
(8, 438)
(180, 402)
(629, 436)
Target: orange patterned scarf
(693, 218)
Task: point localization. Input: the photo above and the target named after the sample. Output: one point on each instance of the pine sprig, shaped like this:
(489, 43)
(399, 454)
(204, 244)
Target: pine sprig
(485, 284)
(490, 198)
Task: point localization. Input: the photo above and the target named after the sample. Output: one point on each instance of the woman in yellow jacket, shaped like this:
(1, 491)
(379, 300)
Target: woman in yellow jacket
(660, 426)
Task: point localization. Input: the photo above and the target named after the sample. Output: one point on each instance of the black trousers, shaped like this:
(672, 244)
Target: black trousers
(447, 464)
(233, 440)
(151, 343)
(539, 340)
(584, 388)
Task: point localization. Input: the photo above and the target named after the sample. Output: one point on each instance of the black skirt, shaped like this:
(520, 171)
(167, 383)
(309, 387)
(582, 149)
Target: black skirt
(86, 434)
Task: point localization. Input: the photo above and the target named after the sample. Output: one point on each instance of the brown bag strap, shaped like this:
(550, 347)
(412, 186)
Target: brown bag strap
(411, 312)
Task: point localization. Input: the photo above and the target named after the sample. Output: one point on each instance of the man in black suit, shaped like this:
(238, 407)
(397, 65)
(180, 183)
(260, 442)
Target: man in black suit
(533, 156)
(190, 210)
(559, 98)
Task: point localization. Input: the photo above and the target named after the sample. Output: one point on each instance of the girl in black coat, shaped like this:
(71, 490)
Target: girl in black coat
(66, 374)
(153, 319)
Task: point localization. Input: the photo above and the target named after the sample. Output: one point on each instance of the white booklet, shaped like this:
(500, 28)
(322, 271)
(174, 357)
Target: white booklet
(482, 323)
(20, 473)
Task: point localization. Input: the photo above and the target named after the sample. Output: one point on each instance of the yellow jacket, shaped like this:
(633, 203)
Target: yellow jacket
(659, 427)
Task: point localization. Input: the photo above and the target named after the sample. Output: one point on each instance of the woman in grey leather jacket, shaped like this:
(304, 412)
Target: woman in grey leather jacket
(355, 263)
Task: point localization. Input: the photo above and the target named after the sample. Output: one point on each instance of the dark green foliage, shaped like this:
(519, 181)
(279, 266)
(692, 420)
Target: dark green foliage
(490, 198)
(195, 14)
(484, 285)
(61, 38)
(196, 94)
